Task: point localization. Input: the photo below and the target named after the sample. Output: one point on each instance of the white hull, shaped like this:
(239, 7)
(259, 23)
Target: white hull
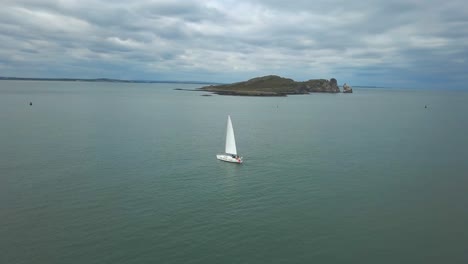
(229, 158)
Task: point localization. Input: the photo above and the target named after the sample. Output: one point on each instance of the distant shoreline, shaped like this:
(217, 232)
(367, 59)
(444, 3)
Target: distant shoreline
(102, 80)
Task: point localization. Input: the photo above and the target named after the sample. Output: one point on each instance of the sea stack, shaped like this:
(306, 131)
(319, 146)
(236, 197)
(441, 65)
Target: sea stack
(347, 88)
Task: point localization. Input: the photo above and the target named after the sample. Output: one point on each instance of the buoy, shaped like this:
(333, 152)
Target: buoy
(30, 103)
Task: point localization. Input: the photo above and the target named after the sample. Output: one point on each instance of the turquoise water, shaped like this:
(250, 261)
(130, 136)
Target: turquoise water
(126, 173)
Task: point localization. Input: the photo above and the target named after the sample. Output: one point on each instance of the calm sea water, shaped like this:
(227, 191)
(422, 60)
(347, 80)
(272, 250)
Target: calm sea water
(126, 173)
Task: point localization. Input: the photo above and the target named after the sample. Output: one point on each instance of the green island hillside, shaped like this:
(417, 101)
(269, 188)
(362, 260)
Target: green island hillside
(273, 85)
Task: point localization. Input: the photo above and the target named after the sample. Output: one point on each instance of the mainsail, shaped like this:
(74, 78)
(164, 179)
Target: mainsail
(230, 140)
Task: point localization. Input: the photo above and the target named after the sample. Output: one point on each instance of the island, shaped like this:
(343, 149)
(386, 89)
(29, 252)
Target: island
(273, 85)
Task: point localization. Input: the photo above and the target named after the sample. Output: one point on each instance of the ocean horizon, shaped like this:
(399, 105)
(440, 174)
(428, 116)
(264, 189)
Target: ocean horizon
(105, 79)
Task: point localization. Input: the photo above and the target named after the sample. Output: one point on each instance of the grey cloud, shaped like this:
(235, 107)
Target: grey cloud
(233, 40)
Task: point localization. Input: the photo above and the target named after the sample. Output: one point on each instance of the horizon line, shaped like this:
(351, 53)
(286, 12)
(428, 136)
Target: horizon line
(102, 79)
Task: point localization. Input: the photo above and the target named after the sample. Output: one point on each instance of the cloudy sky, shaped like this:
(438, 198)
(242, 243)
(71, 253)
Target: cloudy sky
(409, 43)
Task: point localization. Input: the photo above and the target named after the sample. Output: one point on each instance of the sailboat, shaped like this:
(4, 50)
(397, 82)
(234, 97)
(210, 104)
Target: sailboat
(231, 150)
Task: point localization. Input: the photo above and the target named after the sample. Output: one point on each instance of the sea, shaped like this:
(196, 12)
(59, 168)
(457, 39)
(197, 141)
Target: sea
(101, 172)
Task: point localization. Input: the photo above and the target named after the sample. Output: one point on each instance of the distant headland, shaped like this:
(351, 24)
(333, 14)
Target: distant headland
(273, 85)
(101, 80)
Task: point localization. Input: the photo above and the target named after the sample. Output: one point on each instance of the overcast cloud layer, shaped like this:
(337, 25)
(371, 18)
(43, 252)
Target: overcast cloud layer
(406, 43)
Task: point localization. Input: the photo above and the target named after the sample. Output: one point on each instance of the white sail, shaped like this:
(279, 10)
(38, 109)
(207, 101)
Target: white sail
(231, 151)
(230, 140)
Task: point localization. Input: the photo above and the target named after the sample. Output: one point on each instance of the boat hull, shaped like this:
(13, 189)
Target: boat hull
(229, 158)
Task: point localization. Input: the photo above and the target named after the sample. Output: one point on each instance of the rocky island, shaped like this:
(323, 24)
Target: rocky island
(347, 88)
(273, 85)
